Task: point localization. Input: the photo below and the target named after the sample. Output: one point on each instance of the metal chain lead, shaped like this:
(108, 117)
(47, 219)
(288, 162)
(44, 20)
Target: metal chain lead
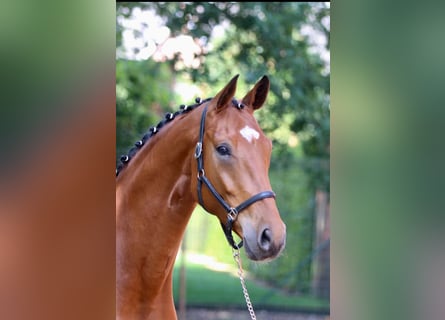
(236, 256)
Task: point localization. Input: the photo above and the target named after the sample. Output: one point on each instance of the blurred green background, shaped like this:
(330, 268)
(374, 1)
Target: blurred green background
(387, 167)
(169, 53)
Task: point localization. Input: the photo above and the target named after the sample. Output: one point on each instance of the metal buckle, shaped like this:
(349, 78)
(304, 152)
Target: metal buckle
(201, 173)
(232, 214)
(198, 150)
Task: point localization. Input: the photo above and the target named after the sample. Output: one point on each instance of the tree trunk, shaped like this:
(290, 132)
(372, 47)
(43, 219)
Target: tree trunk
(321, 263)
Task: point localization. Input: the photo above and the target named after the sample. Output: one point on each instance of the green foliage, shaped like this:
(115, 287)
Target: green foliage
(139, 97)
(205, 235)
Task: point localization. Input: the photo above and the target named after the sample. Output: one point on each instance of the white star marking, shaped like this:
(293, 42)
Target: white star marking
(249, 134)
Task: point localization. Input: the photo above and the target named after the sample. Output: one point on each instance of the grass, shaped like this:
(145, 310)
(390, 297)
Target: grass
(217, 285)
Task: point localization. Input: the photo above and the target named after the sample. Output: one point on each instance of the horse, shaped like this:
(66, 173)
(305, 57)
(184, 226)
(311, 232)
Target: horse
(213, 153)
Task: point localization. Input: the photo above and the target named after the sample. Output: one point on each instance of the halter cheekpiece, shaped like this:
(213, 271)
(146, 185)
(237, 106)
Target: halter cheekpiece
(232, 212)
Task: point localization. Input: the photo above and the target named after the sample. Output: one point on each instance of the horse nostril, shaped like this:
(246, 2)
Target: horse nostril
(265, 239)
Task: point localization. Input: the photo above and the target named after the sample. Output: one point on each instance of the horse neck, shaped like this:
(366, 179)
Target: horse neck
(154, 191)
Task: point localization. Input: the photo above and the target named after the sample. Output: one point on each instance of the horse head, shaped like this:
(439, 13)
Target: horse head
(235, 158)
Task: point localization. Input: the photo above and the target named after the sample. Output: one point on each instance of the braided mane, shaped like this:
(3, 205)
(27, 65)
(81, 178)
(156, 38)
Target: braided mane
(155, 129)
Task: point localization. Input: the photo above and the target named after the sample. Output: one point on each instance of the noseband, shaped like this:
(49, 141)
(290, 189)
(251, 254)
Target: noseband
(232, 212)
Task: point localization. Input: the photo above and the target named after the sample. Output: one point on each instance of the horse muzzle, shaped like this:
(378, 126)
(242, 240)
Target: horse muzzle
(265, 244)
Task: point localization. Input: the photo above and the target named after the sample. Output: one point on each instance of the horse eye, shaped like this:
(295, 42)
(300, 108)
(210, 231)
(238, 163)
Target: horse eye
(223, 150)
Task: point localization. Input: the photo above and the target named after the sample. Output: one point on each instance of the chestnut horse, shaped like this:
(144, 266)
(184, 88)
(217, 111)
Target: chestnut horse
(213, 153)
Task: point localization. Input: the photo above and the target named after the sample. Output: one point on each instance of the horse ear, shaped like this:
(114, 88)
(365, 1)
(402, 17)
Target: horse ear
(256, 97)
(226, 95)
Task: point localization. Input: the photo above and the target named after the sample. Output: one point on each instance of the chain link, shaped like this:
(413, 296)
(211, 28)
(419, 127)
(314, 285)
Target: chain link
(236, 256)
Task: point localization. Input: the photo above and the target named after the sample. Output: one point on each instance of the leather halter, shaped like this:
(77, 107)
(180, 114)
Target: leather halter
(232, 212)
